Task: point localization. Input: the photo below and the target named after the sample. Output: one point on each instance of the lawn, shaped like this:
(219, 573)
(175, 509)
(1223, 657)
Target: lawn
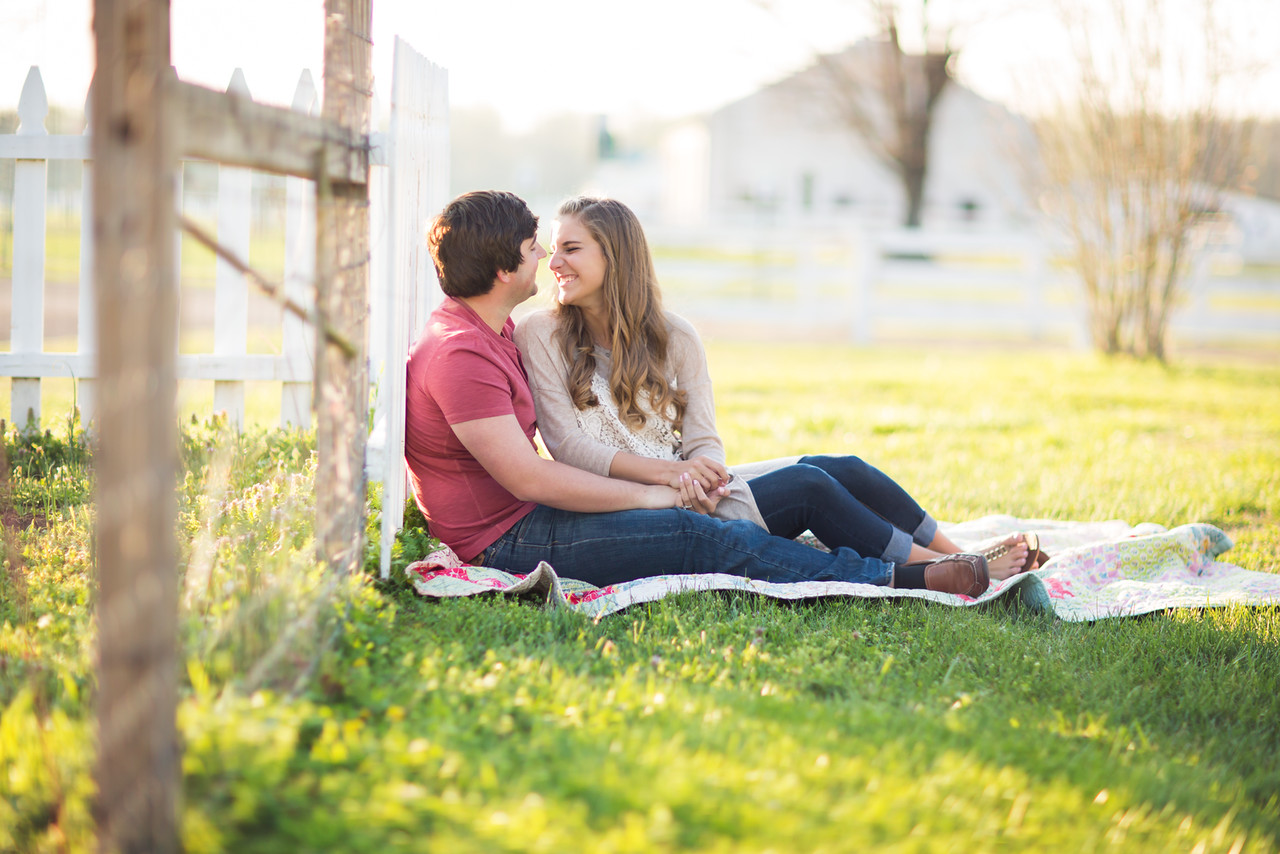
(347, 714)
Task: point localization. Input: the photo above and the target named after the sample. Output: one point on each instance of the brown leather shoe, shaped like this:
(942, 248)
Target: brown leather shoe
(962, 573)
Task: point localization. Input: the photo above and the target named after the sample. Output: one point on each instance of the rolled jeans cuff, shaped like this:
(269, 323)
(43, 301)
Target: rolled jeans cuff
(899, 548)
(925, 531)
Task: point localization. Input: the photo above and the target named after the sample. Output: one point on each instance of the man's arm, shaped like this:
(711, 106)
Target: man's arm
(500, 446)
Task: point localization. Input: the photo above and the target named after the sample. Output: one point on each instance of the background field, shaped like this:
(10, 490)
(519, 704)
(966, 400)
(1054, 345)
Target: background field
(323, 716)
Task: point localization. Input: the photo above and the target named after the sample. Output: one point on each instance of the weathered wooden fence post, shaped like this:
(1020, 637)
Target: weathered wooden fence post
(136, 463)
(342, 292)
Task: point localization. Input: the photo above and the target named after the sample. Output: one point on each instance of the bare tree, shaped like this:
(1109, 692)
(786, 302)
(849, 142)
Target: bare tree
(887, 95)
(1134, 164)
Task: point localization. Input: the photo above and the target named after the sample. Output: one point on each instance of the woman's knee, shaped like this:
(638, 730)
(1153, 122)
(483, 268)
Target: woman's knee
(833, 463)
(815, 481)
(849, 470)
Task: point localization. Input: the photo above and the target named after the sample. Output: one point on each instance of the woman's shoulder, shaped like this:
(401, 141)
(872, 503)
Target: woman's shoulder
(537, 324)
(681, 331)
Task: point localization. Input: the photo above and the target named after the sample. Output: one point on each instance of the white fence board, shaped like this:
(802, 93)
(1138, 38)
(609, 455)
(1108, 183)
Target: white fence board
(870, 287)
(30, 181)
(252, 367)
(86, 329)
(417, 187)
(298, 345)
(228, 366)
(231, 288)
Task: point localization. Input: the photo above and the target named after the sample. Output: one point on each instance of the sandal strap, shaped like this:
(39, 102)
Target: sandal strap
(995, 552)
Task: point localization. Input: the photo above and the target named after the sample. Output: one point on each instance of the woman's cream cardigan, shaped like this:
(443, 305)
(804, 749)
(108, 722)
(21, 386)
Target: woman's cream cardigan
(590, 440)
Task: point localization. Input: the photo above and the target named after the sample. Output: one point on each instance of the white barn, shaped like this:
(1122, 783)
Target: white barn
(783, 155)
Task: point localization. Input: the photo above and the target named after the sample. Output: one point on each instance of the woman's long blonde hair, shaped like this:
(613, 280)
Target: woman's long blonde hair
(637, 327)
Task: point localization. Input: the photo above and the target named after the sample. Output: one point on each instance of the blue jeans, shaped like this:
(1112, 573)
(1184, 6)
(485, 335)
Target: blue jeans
(845, 503)
(610, 548)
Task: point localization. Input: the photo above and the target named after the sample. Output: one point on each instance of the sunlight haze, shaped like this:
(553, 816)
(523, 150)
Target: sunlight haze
(663, 58)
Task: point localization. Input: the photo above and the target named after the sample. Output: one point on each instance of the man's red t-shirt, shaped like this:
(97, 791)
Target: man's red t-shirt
(461, 370)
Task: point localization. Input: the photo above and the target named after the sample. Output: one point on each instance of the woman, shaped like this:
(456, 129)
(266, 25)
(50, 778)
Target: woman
(621, 389)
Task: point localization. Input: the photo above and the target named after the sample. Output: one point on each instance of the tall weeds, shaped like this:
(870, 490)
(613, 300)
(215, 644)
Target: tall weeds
(258, 610)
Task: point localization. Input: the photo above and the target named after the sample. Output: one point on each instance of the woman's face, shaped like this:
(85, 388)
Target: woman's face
(578, 264)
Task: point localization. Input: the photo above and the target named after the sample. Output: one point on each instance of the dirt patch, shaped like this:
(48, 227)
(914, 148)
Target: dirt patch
(12, 520)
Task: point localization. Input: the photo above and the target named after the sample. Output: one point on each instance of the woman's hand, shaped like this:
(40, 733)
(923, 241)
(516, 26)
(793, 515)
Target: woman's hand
(694, 497)
(703, 470)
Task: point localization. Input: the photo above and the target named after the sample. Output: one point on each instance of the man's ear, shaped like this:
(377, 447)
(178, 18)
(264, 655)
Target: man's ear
(504, 276)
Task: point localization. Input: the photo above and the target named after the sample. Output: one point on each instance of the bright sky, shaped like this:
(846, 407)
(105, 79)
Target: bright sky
(527, 58)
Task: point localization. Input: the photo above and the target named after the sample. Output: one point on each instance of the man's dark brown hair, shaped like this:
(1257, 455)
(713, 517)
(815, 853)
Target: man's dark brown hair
(477, 236)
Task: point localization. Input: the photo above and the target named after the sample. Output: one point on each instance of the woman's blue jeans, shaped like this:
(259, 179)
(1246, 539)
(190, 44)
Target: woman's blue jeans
(610, 548)
(845, 503)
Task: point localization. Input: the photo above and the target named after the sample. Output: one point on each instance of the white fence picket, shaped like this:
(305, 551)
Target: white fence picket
(231, 289)
(30, 181)
(86, 314)
(298, 344)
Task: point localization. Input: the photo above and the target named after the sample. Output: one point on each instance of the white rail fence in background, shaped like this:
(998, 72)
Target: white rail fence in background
(868, 286)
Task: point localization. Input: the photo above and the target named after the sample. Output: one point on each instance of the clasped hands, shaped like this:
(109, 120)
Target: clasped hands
(702, 482)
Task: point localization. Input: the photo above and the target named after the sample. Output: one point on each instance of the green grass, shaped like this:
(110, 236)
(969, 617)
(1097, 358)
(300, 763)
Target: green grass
(318, 716)
(199, 265)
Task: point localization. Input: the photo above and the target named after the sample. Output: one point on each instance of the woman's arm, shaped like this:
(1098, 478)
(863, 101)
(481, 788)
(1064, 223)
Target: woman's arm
(548, 372)
(699, 438)
(698, 434)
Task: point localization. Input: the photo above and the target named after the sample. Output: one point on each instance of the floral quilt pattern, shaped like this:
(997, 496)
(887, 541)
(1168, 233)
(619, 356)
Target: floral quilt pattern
(1097, 570)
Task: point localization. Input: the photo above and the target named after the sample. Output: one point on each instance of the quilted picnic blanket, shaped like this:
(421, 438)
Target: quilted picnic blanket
(1097, 570)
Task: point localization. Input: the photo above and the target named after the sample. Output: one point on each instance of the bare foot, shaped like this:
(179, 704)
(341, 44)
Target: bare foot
(1007, 558)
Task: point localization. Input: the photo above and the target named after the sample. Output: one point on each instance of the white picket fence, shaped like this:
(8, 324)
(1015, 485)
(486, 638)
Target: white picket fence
(408, 184)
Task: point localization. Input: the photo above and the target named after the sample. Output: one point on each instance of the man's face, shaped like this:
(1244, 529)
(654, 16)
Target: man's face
(524, 282)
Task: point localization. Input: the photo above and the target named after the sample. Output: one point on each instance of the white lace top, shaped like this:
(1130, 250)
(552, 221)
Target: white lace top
(604, 424)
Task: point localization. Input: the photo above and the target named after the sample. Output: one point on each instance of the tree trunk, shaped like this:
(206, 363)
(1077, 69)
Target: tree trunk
(913, 185)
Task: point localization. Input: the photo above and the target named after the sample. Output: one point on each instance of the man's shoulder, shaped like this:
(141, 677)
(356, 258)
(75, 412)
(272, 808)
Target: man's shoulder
(443, 342)
(447, 330)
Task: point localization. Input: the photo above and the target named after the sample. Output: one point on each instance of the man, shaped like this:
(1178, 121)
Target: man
(489, 496)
